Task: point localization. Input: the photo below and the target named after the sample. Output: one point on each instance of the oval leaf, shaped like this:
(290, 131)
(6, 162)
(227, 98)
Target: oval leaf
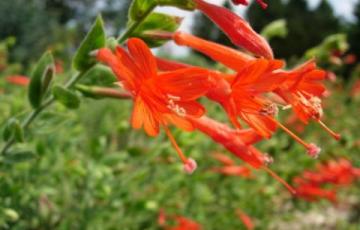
(156, 23)
(14, 130)
(18, 157)
(66, 97)
(94, 40)
(140, 8)
(36, 89)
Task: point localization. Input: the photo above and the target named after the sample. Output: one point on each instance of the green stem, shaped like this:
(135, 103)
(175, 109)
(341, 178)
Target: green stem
(35, 113)
(135, 24)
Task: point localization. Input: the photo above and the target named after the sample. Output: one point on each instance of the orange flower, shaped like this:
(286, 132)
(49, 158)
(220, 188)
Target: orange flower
(160, 99)
(237, 143)
(185, 224)
(18, 80)
(233, 170)
(231, 58)
(229, 167)
(242, 96)
(302, 90)
(237, 29)
(224, 159)
(335, 172)
(247, 221)
(312, 192)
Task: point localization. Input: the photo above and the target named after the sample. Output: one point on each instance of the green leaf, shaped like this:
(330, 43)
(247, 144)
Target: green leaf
(14, 130)
(66, 97)
(182, 4)
(140, 8)
(156, 23)
(19, 157)
(94, 40)
(277, 28)
(36, 87)
(99, 75)
(47, 79)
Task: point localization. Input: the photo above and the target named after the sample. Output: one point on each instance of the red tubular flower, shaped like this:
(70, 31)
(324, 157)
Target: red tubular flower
(335, 172)
(247, 221)
(18, 80)
(231, 58)
(241, 96)
(224, 159)
(312, 192)
(185, 224)
(302, 90)
(340, 172)
(233, 170)
(159, 99)
(237, 29)
(245, 2)
(167, 65)
(232, 141)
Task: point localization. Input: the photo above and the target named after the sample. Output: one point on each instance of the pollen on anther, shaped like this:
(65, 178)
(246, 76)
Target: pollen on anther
(190, 166)
(313, 150)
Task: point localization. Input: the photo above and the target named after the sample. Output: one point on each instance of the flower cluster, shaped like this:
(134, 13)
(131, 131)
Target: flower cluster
(310, 185)
(166, 92)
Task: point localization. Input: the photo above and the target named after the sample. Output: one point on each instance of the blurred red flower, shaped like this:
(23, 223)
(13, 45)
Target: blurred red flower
(18, 80)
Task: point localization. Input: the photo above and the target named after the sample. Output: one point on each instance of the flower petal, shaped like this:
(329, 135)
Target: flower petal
(187, 84)
(142, 56)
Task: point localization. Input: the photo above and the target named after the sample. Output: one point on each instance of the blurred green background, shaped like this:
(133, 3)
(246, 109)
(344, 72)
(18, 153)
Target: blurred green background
(89, 170)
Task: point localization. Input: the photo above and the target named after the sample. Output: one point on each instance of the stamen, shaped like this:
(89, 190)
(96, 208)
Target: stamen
(270, 110)
(268, 159)
(293, 135)
(278, 178)
(176, 108)
(336, 136)
(175, 145)
(314, 150)
(190, 166)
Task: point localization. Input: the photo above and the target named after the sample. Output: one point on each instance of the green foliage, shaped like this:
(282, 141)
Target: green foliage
(40, 79)
(18, 157)
(66, 97)
(99, 75)
(94, 40)
(299, 17)
(14, 130)
(140, 8)
(182, 4)
(156, 23)
(322, 52)
(274, 29)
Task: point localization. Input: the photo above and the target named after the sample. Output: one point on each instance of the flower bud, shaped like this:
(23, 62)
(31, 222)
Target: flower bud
(236, 28)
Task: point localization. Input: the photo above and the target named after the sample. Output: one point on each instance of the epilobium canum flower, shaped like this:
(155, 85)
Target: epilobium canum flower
(160, 99)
